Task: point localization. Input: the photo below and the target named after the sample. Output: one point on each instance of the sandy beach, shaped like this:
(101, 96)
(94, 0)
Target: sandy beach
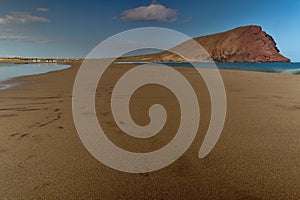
(257, 156)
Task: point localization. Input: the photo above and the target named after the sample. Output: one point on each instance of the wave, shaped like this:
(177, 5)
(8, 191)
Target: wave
(287, 71)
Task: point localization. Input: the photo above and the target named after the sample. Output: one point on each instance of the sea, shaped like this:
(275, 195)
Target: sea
(281, 68)
(11, 70)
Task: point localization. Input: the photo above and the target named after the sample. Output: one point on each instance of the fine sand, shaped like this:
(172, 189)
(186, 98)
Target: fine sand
(257, 156)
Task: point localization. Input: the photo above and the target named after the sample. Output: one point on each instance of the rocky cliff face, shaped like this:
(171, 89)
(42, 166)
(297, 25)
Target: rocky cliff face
(243, 44)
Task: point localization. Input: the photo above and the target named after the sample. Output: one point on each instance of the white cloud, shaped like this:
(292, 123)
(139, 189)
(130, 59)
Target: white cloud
(42, 9)
(13, 37)
(153, 12)
(22, 18)
(24, 38)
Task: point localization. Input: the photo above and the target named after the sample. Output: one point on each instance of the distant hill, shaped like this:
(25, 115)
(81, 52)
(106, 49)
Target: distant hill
(242, 44)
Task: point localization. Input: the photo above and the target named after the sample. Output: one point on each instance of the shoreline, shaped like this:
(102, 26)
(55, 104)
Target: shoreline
(257, 156)
(245, 66)
(14, 81)
(11, 82)
(68, 61)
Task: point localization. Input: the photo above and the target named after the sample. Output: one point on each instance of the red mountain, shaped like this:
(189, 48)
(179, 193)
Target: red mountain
(242, 44)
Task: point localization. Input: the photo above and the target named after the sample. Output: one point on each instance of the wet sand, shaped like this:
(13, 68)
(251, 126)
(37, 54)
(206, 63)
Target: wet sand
(257, 156)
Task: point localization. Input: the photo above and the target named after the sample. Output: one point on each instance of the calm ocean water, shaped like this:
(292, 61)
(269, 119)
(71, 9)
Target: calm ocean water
(10, 70)
(282, 68)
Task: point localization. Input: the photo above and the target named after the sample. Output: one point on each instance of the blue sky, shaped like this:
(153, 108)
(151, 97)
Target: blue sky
(44, 28)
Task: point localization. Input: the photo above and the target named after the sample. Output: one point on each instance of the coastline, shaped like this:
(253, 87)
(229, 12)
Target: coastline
(14, 81)
(8, 82)
(257, 156)
(267, 67)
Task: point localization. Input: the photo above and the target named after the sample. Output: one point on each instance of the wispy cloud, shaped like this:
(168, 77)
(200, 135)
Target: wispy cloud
(153, 12)
(24, 38)
(42, 9)
(13, 37)
(22, 18)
